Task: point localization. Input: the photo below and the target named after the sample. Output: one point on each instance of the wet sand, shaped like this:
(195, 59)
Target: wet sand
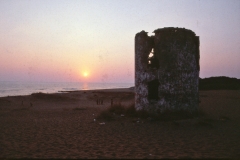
(62, 126)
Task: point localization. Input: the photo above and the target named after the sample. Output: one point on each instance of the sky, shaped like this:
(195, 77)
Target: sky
(93, 40)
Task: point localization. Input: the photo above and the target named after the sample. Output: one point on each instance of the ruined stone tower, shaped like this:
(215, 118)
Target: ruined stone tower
(167, 70)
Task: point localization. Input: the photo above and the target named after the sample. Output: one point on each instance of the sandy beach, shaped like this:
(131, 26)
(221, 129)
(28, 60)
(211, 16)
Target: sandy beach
(65, 125)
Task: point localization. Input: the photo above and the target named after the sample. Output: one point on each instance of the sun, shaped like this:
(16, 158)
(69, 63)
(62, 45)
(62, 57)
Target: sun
(85, 74)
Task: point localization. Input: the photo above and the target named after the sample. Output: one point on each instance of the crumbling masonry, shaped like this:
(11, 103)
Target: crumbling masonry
(167, 70)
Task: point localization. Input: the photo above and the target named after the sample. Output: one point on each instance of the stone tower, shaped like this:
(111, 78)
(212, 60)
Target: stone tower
(167, 70)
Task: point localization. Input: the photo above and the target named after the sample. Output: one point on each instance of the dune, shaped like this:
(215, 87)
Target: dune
(66, 125)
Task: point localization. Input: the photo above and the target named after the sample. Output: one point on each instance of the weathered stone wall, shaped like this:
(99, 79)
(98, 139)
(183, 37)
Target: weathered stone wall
(168, 79)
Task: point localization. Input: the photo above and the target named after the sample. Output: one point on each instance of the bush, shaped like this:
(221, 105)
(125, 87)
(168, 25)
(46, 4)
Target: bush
(106, 115)
(117, 109)
(129, 111)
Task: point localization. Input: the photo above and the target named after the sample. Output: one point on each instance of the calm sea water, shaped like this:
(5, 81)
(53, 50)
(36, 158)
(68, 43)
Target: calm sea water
(26, 88)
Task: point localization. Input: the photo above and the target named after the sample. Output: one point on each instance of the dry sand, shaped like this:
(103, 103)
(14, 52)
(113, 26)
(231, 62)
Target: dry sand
(62, 126)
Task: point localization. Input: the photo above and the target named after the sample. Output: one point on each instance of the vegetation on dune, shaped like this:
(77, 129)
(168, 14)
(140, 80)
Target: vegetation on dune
(219, 83)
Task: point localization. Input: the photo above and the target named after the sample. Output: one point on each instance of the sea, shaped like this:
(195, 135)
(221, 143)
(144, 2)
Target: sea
(16, 88)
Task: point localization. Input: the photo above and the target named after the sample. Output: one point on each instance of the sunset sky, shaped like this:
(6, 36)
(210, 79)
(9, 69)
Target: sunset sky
(93, 40)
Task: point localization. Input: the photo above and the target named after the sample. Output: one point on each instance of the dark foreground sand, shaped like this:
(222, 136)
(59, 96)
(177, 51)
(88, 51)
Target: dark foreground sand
(63, 126)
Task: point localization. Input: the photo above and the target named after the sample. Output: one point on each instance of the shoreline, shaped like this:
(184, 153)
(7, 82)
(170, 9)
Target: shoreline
(60, 91)
(104, 90)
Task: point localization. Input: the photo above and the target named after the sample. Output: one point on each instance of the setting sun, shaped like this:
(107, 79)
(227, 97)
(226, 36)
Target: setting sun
(85, 74)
